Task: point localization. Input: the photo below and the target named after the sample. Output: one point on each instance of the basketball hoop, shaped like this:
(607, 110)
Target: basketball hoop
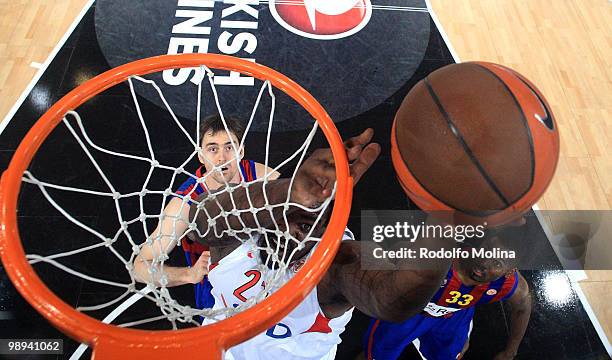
(112, 342)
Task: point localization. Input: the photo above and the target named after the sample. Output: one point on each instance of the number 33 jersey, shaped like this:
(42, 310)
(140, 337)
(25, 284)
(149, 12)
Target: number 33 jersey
(303, 334)
(453, 295)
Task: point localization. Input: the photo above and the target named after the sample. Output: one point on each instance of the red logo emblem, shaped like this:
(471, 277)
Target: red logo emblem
(491, 292)
(322, 19)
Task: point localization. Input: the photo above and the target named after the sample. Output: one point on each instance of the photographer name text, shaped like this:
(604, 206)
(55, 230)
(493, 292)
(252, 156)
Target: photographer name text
(454, 253)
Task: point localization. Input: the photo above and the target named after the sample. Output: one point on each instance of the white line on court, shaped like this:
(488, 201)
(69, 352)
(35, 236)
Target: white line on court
(374, 6)
(434, 17)
(587, 307)
(113, 315)
(43, 67)
(573, 275)
(36, 65)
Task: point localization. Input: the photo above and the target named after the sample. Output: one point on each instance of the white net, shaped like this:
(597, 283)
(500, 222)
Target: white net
(275, 242)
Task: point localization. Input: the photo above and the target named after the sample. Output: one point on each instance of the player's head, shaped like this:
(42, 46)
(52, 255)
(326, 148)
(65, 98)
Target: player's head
(217, 147)
(497, 244)
(301, 224)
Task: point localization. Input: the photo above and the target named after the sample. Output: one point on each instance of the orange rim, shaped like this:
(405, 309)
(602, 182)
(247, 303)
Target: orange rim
(109, 341)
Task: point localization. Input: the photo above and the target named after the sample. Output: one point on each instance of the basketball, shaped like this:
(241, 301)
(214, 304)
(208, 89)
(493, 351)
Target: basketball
(477, 139)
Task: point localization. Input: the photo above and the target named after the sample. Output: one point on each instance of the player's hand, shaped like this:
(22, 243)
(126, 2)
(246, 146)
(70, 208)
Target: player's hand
(505, 355)
(314, 181)
(200, 268)
(361, 153)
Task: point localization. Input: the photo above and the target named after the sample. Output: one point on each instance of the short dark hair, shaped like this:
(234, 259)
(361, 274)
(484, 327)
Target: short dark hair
(214, 123)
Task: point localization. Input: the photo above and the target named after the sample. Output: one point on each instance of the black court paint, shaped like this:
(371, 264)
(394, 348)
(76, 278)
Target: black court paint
(348, 75)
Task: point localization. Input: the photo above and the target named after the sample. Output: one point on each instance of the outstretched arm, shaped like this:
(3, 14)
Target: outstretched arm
(391, 295)
(520, 304)
(147, 265)
(261, 170)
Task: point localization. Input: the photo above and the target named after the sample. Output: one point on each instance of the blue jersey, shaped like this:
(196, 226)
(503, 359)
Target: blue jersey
(247, 168)
(192, 249)
(444, 325)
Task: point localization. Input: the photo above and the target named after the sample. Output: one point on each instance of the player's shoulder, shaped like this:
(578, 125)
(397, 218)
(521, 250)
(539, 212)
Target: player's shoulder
(238, 257)
(521, 284)
(175, 204)
(348, 253)
(518, 287)
(262, 169)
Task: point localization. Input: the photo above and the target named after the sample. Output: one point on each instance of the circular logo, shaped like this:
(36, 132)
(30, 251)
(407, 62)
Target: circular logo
(348, 75)
(491, 292)
(322, 19)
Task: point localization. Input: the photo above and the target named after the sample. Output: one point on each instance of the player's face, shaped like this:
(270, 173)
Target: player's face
(487, 270)
(217, 150)
(483, 271)
(300, 225)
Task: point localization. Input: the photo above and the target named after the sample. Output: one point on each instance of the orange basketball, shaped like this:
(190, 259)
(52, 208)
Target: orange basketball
(477, 139)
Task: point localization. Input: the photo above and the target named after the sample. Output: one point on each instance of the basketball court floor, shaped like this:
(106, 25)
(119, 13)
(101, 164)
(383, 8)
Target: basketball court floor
(360, 79)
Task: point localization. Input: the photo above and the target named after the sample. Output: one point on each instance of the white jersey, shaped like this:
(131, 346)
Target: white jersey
(303, 334)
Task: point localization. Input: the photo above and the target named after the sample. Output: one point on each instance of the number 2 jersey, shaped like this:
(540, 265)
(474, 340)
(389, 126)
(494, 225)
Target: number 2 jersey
(303, 334)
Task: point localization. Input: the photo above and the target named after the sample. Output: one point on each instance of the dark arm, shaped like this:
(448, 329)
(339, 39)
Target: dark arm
(238, 202)
(391, 295)
(520, 303)
(312, 185)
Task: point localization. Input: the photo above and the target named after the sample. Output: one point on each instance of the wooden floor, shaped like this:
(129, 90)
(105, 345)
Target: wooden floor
(564, 46)
(29, 30)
